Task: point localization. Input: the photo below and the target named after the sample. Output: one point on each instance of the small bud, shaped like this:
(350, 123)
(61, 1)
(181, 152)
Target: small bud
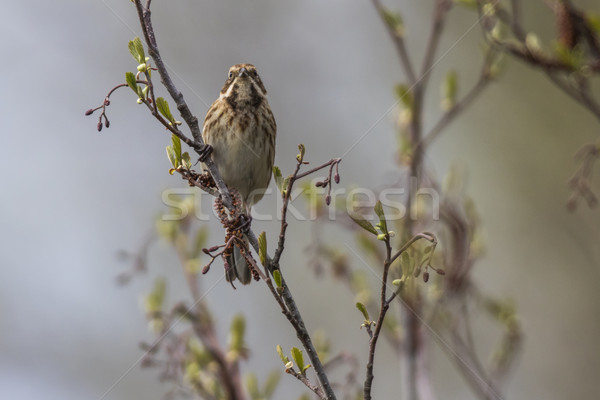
(206, 251)
(425, 276)
(391, 233)
(440, 271)
(336, 178)
(89, 112)
(289, 365)
(106, 123)
(205, 269)
(214, 248)
(99, 126)
(319, 184)
(328, 200)
(142, 67)
(381, 236)
(140, 101)
(106, 102)
(147, 59)
(396, 282)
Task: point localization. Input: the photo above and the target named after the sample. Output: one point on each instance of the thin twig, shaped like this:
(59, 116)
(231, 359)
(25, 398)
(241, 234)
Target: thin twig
(379, 323)
(398, 40)
(385, 301)
(295, 317)
(441, 8)
(457, 108)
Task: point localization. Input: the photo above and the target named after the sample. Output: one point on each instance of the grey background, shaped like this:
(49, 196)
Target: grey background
(71, 197)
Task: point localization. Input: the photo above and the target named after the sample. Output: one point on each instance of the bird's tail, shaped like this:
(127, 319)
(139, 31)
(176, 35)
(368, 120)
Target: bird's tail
(238, 267)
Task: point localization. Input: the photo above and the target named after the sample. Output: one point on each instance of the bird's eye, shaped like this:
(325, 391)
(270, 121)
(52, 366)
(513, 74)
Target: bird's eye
(230, 74)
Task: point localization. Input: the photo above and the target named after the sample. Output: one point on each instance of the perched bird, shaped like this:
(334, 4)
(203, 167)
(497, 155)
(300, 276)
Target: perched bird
(241, 129)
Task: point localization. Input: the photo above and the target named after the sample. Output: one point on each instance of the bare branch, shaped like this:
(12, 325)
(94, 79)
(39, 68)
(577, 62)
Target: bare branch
(398, 40)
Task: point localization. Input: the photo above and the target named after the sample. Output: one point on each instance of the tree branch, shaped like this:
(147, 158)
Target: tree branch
(398, 40)
(458, 107)
(190, 119)
(437, 27)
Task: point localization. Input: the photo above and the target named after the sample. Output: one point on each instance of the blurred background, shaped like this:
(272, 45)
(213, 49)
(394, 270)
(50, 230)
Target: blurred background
(73, 197)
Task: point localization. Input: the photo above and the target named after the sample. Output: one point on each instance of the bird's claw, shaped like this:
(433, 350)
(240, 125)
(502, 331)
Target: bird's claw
(204, 150)
(246, 220)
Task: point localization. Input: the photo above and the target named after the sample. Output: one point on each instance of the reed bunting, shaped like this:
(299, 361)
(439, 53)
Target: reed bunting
(241, 129)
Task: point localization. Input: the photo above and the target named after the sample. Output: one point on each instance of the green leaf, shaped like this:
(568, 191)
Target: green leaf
(298, 357)
(236, 332)
(574, 57)
(176, 147)
(131, 81)
(362, 222)
(284, 184)
(133, 51)
(593, 21)
(252, 386)
(271, 383)
(361, 307)
(262, 248)
(192, 372)
(163, 108)
(155, 299)
(300, 156)
(186, 160)
(283, 357)
(394, 21)
(449, 90)
(278, 177)
(405, 258)
(382, 222)
(407, 264)
(472, 4)
(137, 50)
(404, 94)
(172, 157)
(277, 278)
(140, 49)
(141, 92)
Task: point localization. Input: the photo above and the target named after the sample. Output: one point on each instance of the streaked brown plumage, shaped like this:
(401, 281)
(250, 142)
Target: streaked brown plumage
(241, 129)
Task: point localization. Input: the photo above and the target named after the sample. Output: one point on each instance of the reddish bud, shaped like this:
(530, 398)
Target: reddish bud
(328, 200)
(205, 269)
(319, 184)
(214, 248)
(106, 123)
(206, 251)
(425, 276)
(440, 271)
(336, 178)
(99, 126)
(89, 112)
(106, 102)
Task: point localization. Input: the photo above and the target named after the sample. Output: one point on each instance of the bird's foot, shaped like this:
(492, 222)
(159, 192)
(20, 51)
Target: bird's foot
(245, 222)
(204, 150)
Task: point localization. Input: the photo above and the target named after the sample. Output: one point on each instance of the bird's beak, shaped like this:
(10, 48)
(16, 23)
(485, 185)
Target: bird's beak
(243, 72)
